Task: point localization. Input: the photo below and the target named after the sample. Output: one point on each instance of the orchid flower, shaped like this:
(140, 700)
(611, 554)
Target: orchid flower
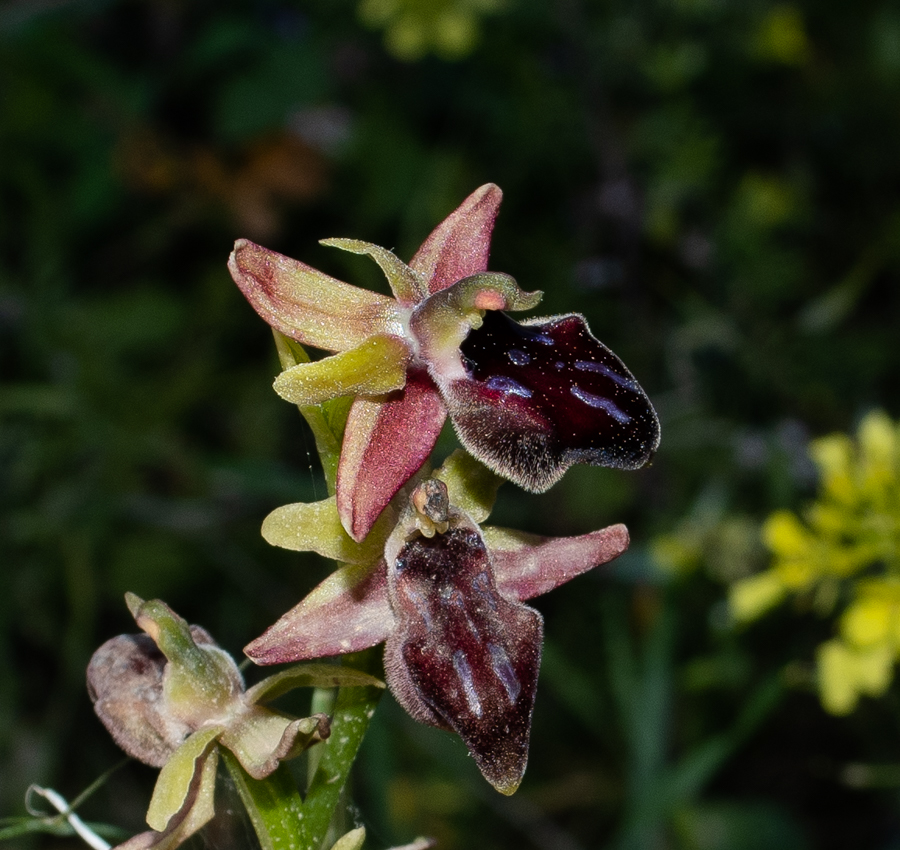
(462, 651)
(171, 698)
(527, 399)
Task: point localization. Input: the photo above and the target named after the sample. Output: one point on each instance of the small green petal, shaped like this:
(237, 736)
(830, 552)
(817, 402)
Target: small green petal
(326, 420)
(408, 286)
(260, 738)
(376, 367)
(309, 676)
(174, 782)
(316, 527)
(471, 486)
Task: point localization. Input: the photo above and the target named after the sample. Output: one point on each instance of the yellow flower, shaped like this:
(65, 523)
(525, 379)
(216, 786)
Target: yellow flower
(795, 548)
(874, 616)
(853, 527)
(753, 596)
(845, 674)
(866, 622)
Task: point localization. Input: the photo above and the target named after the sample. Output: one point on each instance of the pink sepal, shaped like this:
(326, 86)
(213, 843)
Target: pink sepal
(526, 565)
(347, 612)
(306, 304)
(385, 443)
(459, 246)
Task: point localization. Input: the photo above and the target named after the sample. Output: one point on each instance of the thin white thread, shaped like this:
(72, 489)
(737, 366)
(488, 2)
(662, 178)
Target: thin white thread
(62, 806)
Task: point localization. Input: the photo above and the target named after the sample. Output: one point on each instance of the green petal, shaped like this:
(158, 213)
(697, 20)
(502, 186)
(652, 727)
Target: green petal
(260, 738)
(374, 368)
(309, 676)
(316, 527)
(197, 811)
(173, 787)
(408, 286)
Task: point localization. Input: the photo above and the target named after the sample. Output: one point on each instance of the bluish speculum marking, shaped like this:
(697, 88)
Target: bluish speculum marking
(464, 672)
(504, 671)
(621, 380)
(508, 386)
(600, 403)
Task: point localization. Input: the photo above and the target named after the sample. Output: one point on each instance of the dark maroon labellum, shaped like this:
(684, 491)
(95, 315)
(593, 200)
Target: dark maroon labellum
(544, 396)
(462, 657)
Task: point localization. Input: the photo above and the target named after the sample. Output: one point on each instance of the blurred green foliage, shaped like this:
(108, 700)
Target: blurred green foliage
(713, 183)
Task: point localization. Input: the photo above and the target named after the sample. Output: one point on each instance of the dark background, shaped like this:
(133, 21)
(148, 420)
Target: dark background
(713, 183)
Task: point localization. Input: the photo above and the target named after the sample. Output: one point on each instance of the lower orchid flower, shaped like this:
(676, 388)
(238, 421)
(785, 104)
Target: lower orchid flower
(527, 399)
(172, 698)
(446, 596)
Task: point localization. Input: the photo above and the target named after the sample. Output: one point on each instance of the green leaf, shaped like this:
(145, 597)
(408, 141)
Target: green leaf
(738, 826)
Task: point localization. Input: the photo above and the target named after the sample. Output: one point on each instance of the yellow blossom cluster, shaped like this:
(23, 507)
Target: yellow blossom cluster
(843, 553)
(414, 28)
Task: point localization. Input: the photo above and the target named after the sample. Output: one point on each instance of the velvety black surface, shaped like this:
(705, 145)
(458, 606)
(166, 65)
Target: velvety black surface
(557, 380)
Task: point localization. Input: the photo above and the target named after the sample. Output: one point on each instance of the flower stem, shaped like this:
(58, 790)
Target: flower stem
(353, 709)
(273, 804)
(281, 820)
(326, 420)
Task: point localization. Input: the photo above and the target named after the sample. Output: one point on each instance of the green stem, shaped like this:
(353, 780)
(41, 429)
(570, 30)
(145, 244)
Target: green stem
(353, 709)
(326, 420)
(273, 804)
(330, 762)
(281, 820)
(322, 703)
